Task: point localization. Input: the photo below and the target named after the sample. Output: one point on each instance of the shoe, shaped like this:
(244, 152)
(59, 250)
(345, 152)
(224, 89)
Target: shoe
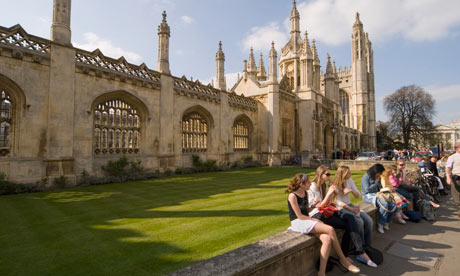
(351, 268)
(386, 226)
(368, 263)
(404, 216)
(400, 220)
(380, 228)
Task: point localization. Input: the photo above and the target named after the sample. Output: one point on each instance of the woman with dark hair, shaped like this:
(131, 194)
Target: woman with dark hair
(370, 185)
(303, 223)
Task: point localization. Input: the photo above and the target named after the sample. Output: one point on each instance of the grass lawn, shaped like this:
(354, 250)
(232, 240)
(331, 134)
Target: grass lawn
(149, 227)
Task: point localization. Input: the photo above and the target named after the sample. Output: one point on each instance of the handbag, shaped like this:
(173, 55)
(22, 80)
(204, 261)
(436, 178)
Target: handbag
(386, 195)
(328, 210)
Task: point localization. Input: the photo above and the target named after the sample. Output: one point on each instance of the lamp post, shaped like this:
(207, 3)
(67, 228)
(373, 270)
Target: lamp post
(334, 130)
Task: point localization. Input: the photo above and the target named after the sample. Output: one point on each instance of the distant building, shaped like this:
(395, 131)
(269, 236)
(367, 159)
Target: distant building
(65, 110)
(449, 134)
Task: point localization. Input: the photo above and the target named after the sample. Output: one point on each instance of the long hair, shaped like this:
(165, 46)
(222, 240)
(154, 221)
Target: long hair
(375, 169)
(295, 183)
(318, 179)
(386, 176)
(340, 180)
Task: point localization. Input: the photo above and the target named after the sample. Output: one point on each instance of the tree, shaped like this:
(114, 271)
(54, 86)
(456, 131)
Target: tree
(410, 110)
(384, 140)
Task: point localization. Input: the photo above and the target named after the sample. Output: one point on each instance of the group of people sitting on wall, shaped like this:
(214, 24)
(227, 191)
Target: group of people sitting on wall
(320, 205)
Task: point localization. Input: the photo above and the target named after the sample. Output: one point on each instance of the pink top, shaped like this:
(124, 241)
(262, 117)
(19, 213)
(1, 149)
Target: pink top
(395, 182)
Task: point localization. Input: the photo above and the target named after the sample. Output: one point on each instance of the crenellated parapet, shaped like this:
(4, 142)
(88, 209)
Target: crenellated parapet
(103, 66)
(195, 89)
(242, 102)
(20, 43)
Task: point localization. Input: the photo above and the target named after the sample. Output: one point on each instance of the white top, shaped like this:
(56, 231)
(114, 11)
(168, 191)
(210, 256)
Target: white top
(342, 199)
(453, 162)
(314, 193)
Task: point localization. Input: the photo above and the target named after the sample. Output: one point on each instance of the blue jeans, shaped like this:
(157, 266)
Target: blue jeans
(364, 222)
(385, 216)
(405, 193)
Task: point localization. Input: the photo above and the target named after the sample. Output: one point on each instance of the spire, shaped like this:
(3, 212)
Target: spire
(261, 73)
(328, 65)
(60, 29)
(306, 45)
(252, 68)
(295, 17)
(220, 73)
(163, 46)
(220, 54)
(163, 28)
(334, 68)
(272, 73)
(357, 21)
(315, 53)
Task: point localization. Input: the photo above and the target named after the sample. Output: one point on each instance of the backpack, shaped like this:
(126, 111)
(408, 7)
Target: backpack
(427, 211)
(413, 216)
(374, 254)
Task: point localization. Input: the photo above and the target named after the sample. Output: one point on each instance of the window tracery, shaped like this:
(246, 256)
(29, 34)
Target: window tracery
(194, 133)
(6, 122)
(240, 135)
(116, 128)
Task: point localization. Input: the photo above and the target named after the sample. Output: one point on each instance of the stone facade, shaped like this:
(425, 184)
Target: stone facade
(65, 110)
(449, 134)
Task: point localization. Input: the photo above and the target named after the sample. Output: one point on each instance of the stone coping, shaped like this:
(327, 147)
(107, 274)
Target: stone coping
(271, 256)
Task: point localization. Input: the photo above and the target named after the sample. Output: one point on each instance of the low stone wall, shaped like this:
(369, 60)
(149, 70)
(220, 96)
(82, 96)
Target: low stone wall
(353, 164)
(287, 253)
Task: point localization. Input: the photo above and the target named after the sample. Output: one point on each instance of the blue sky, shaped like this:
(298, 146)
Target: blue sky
(415, 41)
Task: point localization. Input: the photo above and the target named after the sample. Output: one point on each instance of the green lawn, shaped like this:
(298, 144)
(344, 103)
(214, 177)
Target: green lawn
(149, 227)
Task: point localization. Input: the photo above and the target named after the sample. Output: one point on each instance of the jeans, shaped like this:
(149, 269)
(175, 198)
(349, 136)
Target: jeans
(337, 223)
(384, 208)
(364, 222)
(414, 190)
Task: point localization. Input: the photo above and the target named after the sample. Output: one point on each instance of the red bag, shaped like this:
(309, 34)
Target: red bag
(328, 210)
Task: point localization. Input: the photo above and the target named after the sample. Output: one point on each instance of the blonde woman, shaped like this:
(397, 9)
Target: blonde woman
(346, 186)
(303, 223)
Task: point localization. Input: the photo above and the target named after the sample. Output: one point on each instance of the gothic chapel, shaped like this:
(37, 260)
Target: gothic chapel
(65, 110)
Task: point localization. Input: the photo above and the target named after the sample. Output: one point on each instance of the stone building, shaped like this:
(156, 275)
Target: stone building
(65, 110)
(448, 134)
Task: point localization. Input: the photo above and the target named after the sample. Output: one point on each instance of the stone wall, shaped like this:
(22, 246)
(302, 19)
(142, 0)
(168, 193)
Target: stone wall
(286, 253)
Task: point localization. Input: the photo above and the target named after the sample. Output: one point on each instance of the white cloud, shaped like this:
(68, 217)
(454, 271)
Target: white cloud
(93, 41)
(187, 19)
(331, 21)
(260, 38)
(444, 93)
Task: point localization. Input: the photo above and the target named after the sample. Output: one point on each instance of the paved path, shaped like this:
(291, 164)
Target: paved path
(422, 248)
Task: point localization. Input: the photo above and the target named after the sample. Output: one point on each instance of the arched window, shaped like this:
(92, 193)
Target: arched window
(345, 104)
(240, 135)
(6, 122)
(194, 133)
(114, 132)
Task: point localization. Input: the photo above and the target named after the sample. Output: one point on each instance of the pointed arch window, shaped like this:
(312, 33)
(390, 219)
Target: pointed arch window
(345, 105)
(194, 133)
(6, 123)
(116, 128)
(240, 135)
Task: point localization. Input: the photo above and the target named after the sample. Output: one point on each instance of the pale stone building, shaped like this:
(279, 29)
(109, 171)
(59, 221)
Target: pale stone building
(65, 110)
(449, 134)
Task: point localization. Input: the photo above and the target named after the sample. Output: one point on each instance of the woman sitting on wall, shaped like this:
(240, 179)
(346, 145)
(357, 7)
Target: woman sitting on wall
(320, 197)
(345, 186)
(370, 186)
(301, 222)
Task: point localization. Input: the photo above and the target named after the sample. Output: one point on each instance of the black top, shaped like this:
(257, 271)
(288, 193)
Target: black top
(432, 167)
(302, 202)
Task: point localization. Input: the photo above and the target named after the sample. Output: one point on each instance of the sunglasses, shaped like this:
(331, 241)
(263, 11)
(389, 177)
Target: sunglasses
(402, 165)
(328, 174)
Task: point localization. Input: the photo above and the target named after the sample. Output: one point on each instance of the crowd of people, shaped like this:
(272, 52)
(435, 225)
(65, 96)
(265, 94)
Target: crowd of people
(320, 205)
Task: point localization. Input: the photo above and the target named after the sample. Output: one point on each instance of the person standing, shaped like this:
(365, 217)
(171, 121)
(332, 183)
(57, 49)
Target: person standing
(453, 174)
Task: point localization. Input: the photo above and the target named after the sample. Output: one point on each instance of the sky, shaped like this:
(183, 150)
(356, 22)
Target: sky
(414, 41)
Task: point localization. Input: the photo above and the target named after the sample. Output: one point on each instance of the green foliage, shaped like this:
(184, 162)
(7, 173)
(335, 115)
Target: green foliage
(116, 168)
(168, 172)
(207, 166)
(60, 181)
(8, 188)
(247, 159)
(178, 171)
